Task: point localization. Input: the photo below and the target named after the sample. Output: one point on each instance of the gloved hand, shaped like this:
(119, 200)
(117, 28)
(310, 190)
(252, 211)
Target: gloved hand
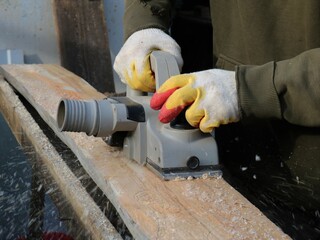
(132, 63)
(211, 95)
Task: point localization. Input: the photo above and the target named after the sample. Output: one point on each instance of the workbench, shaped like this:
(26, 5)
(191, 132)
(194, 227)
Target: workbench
(150, 207)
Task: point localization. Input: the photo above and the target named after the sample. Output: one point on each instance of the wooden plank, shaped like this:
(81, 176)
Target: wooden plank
(83, 41)
(151, 208)
(31, 137)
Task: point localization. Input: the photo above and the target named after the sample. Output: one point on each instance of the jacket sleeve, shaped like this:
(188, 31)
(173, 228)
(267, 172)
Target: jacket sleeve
(142, 14)
(288, 89)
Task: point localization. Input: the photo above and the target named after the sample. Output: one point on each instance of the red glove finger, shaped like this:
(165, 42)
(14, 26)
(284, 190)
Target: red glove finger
(159, 98)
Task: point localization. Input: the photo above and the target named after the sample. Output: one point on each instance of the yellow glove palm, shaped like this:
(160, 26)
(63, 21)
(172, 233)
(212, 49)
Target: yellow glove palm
(132, 62)
(140, 80)
(211, 96)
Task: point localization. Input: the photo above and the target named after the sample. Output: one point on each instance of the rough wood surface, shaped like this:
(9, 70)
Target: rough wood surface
(30, 136)
(150, 207)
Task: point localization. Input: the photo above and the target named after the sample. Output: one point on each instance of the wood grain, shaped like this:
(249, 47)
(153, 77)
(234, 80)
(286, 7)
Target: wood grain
(30, 137)
(83, 41)
(151, 208)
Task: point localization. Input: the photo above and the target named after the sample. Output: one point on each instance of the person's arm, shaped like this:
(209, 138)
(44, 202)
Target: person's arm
(288, 90)
(143, 14)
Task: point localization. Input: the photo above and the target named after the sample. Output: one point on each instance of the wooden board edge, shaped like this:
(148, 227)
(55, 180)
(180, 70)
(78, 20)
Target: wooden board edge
(134, 227)
(20, 120)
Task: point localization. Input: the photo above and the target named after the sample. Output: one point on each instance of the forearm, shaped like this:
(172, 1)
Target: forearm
(142, 14)
(288, 89)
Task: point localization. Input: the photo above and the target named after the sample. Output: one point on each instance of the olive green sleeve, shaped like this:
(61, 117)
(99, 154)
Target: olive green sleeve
(142, 14)
(288, 89)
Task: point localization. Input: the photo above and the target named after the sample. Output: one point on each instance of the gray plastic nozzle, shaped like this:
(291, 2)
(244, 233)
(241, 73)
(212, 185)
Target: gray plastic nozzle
(99, 118)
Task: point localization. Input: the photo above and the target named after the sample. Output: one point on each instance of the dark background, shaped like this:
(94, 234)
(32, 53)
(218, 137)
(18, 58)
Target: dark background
(275, 165)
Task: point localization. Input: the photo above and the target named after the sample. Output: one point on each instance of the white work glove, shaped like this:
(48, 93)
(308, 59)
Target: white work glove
(211, 96)
(132, 63)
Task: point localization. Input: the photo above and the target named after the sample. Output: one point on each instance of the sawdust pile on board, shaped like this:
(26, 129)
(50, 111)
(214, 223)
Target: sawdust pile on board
(95, 145)
(217, 175)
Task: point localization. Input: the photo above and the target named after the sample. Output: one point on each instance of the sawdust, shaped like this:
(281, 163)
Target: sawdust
(203, 176)
(190, 178)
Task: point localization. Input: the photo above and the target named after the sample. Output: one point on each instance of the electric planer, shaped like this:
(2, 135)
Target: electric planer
(173, 151)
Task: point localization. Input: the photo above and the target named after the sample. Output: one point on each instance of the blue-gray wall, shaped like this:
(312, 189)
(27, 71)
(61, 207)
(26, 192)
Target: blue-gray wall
(29, 25)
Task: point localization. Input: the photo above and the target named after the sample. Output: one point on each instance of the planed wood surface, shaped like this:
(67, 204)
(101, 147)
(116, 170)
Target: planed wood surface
(30, 137)
(151, 208)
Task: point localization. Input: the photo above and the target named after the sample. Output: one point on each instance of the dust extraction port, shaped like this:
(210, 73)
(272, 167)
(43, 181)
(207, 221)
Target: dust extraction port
(83, 116)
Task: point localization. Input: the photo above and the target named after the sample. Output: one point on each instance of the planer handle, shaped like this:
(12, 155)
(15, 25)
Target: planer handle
(164, 65)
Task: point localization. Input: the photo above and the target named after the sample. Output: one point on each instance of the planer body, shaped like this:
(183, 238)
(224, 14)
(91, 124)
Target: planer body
(172, 151)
